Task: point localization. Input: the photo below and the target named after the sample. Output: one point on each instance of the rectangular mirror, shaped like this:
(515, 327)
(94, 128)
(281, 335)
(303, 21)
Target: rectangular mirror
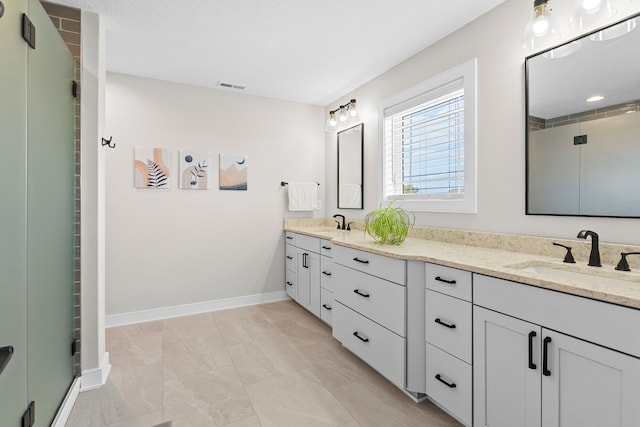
(583, 125)
(350, 167)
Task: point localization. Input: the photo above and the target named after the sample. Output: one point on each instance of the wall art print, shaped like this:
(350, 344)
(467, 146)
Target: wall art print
(151, 168)
(233, 172)
(195, 169)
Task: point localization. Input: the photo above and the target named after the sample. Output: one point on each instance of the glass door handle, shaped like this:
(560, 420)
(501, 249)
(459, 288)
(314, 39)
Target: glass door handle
(5, 356)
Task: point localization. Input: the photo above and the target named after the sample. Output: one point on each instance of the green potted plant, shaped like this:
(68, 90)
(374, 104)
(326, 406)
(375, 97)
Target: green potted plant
(388, 225)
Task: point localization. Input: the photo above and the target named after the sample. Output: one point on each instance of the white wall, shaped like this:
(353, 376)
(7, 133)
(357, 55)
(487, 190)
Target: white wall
(173, 247)
(495, 39)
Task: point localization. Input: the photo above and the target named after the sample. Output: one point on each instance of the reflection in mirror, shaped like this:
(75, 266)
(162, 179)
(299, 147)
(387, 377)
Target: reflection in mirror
(583, 125)
(350, 170)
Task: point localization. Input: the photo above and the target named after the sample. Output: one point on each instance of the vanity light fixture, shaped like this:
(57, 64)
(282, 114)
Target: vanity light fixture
(342, 114)
(595, 98)
(591, 12)
(542, 27)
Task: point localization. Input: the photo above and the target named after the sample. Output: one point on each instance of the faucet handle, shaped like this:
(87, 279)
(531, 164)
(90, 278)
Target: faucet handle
(623, 265)
(338, 222)
(349, 226)
(568, 258)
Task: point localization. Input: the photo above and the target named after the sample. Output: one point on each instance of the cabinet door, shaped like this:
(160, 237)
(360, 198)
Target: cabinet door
(588, 386)
(308, 292)
(506, 371)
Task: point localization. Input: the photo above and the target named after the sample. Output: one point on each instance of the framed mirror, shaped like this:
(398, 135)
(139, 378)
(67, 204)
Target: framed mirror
(350, 167)
(583, 125)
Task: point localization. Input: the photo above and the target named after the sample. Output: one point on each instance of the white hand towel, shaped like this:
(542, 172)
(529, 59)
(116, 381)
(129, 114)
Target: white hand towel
(303, 196)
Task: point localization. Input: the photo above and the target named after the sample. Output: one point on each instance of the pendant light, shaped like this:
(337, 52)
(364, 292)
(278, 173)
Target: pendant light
(542, 28)
(587, 13)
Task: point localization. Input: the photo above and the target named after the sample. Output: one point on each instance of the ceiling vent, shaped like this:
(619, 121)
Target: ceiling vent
(231, 86)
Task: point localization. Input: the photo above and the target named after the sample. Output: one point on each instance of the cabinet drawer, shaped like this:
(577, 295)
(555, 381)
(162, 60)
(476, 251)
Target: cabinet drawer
(326, 306)
(379, 347)
(326, 248)
(326, 273)
(290, 237)
(290, 257)
(378, 265)
(308, 243)
(379, 300)
(291, 284)
(450, 281)
(441, 367)
(448, 324)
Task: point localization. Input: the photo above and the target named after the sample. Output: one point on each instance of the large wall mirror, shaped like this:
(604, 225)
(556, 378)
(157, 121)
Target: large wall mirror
(583, 125)
(350, 167)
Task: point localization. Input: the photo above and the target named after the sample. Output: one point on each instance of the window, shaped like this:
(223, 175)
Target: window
(428, 150)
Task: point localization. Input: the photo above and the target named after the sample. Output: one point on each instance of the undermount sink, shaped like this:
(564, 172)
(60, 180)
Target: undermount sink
(584, 275)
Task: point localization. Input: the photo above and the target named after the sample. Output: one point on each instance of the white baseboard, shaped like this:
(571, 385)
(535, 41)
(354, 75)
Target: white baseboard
(95, 378)
(67, 405)
(195, 308)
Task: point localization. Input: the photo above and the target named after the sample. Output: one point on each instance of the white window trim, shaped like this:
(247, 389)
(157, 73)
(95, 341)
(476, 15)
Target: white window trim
(434, 85)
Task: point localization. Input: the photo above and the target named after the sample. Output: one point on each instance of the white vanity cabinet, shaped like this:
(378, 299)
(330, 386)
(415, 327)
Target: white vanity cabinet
(302, 275)
(448, 334)
(369, 314)
(544, 358)
(326, 281)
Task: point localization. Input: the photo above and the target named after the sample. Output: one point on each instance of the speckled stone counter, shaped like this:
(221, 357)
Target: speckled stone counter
(499, 255)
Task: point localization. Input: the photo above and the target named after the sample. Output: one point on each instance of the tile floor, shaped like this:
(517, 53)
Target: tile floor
(265, 365)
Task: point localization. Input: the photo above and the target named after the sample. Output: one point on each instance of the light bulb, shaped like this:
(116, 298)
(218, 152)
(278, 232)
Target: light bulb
(588, 13)
(591, 6)
(353, 109)
(342, 115)
(332, 122)
(542, 28)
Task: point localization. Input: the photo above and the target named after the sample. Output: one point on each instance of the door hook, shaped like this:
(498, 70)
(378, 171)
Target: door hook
(107, 142)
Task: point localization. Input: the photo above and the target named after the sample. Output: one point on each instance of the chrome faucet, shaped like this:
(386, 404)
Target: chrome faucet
(340, 226)
(594, 256)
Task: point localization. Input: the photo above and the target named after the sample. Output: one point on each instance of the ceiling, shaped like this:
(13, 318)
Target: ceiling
(308, 51)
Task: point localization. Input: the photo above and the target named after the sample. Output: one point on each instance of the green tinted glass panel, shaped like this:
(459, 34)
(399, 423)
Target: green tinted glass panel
(13, 232)
(50, 215)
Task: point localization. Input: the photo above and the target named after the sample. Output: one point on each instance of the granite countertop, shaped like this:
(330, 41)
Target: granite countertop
(510, 264)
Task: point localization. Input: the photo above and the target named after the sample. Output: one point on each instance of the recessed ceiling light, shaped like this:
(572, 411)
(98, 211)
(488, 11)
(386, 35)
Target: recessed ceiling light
(595, 98)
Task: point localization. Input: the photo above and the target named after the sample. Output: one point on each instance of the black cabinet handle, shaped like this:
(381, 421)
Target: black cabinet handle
(304, 260)
(327, 248)
(545, 357)
(448, 282)
(448, 325)
(363, 339)
(450, 385)
(532, 335)
(289, 283)
(326, 273)
(289, 257)
(289, 237)
(363, 261)
(328, 307)
(357, 291)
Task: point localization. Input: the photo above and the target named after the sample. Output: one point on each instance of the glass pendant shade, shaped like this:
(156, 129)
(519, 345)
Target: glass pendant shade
(587, 13)
(332, 122)
(342, 114)
(353, 110)
(542, 28)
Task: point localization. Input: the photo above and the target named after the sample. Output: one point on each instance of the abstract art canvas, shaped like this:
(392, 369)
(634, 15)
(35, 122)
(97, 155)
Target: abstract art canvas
(151, 167)
(195, 169)
(233, 172)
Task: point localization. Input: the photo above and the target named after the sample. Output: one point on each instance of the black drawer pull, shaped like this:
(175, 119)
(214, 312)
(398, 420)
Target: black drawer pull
(327, 248)
(289, 257)
(289, 283)
(363, 261)
(363, 339)
(6, 353)
(447, 325)
(328, 307)
(289, 237)
(545, 357)
(532, 335)
(357, 291)
(448, 282)
(450, 385)
(326, 273)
